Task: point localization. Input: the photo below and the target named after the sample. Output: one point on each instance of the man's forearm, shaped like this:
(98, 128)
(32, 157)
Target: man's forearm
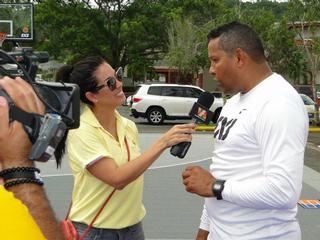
(202, 234)
(34, 197)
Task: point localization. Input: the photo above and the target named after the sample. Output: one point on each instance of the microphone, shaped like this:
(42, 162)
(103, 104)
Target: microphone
(199, 113)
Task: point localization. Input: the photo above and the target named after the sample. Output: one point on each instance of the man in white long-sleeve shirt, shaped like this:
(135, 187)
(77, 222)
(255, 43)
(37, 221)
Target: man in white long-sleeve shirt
(255, 178)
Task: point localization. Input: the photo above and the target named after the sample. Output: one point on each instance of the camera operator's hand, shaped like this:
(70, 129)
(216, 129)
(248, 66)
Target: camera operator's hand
(14, 142)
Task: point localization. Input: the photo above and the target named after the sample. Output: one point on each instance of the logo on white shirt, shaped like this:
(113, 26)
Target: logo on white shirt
(223, 127)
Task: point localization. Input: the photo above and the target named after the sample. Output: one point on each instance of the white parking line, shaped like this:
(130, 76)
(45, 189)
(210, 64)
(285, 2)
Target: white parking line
(150, 168)
(179, 164)
(311, 177)
(313, 146)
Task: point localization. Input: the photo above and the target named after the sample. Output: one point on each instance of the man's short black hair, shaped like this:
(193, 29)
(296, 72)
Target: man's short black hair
(235, 35)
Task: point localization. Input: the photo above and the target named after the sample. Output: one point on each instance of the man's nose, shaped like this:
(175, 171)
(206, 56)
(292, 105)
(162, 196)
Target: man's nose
(212, 70)
(118, 83)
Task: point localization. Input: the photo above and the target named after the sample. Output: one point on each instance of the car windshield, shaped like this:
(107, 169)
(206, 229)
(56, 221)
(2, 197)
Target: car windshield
(307, 100)
(137, 88)
(217, 94)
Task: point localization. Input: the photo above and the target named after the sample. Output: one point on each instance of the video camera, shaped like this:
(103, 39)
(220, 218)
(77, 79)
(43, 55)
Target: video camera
(61, 100)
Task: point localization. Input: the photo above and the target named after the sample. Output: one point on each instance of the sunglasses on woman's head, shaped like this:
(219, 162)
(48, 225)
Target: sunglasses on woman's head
(111, 82)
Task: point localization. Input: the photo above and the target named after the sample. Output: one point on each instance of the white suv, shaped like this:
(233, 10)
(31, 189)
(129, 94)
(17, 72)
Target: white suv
(309, 103)
(158, 102)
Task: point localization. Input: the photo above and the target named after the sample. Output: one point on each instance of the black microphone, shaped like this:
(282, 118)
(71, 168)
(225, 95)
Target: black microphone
(199, 113)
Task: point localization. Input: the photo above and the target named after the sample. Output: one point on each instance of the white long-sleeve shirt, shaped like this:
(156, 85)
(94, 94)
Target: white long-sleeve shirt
(259, 149)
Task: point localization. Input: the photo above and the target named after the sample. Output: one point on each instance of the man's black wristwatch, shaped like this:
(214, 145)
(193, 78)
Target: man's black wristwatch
(217, 188)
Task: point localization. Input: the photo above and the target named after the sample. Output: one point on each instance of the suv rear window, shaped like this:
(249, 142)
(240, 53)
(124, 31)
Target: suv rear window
(192, 92)
(137, 89)
(155, 91)
(172, 91)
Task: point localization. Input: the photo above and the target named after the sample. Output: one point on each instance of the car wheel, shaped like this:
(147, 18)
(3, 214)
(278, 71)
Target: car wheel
(155, 115)
(216, 115)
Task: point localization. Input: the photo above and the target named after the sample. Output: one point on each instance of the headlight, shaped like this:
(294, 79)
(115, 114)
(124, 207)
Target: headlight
(311, 115)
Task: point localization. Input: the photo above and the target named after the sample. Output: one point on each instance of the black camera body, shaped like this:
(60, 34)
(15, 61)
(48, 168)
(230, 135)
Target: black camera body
(62, 102)
(26, 57)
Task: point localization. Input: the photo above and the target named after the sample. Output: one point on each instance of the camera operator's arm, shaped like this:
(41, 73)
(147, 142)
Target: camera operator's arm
(14, 150)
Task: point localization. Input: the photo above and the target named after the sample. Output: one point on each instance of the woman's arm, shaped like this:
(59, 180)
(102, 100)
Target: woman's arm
(120, 176)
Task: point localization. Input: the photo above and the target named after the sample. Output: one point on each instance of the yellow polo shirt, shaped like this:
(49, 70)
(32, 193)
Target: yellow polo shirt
(89, 143)
(16, 223)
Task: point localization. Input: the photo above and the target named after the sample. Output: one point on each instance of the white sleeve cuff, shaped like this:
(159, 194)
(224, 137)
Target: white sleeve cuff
(204, 220)
(227, 193)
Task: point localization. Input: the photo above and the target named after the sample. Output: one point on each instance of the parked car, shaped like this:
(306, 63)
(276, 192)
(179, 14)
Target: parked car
(218, 94)
(158, 102)
(309, 103)
(128, 101)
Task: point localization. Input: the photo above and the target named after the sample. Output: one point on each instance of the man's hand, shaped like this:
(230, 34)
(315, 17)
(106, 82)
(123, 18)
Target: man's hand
(198, 181)
(14, 142)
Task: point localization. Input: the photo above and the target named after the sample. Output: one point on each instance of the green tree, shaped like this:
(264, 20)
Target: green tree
(187, 36)
(69, 31)
(184, 46)
(277, 8)
(200, 11)
(304, 19)
(124, 32)
(284, 55)
(145, 35)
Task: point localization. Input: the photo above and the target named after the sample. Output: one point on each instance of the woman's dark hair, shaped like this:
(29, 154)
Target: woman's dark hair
(82, 74)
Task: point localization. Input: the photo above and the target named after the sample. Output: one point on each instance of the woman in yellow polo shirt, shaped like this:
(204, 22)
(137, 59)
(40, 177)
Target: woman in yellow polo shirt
(104, 154)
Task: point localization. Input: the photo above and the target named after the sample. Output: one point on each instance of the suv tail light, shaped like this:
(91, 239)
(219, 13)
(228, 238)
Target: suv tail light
(135, 99)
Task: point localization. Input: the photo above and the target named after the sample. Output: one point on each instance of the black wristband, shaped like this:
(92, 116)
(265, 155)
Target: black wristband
(217, 188)
(22, 181)
(20, 172)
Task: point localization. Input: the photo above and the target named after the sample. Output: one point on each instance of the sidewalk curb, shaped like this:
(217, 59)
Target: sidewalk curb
(212, 127)
(205, 127)
(314, 129)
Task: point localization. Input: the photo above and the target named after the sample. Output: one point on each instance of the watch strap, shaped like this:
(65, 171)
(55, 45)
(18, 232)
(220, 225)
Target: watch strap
(217, 188)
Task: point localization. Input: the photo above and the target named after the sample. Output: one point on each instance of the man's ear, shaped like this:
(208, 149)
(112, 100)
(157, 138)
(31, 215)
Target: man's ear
(241, 57)
(91, 97)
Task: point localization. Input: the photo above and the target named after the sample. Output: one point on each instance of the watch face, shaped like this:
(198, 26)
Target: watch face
(217, 188)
